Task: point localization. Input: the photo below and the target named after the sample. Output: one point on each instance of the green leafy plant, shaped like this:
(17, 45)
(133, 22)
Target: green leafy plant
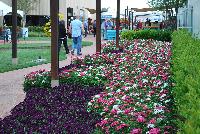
(186, 72)
(159, 35)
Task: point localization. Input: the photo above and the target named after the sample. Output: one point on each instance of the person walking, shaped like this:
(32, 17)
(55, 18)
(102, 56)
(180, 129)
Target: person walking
(86, 27)
(62, 36)
(76, 30)
(94, 28)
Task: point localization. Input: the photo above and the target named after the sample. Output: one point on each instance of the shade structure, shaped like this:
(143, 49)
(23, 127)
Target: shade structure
(5, 9)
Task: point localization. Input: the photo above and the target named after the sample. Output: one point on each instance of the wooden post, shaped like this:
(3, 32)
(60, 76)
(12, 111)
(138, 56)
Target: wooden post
(98, 26)
(54, 4)
(132, 21)
(117, 23)
(129, 20)
(14, 32)
(127, 16)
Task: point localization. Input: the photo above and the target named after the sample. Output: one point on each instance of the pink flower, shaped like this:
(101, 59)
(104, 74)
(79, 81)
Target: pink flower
(140, 119)
(106, 109)
(82, 73)
(136, 131)
(152, 121)
(121, 126)
(154, 131)
(113, 111)
(127, 111)
(114, 123)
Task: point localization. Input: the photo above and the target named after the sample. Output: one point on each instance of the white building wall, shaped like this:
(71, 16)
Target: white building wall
(189, 17)
(196, 16)
(42, 7)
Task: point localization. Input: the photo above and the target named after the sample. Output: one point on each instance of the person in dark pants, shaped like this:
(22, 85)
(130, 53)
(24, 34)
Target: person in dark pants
(85, 28)
(94, 27)
(62, 36)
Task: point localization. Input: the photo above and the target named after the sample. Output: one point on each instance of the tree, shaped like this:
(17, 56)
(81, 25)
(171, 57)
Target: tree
(168, 6)
(26, 6)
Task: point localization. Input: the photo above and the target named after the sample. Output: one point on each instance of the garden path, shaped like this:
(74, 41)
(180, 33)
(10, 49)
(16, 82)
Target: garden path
(11, 83)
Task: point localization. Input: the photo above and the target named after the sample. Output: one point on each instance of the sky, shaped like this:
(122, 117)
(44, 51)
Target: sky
(124, 3)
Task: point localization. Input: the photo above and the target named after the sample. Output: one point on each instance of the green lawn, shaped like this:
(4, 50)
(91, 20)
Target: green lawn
(36, 38)
(28, 54)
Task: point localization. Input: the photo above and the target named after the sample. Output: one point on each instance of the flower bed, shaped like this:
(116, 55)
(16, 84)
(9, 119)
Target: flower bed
(59, 110)
(137, 98)
(137, 87)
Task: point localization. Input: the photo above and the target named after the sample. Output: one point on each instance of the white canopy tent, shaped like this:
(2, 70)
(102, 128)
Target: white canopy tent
(5, 9)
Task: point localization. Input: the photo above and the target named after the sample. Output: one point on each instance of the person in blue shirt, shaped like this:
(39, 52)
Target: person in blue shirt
(76, 30)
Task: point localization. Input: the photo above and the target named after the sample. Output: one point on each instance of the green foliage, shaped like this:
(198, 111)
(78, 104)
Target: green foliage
(186, 72)
(37, 34)
(26, 5)
(35, 29)
(147, 34)
(42, 79)
(166, 4)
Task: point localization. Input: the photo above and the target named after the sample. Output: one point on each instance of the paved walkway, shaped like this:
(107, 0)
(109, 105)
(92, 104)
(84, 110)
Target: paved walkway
(11, 83)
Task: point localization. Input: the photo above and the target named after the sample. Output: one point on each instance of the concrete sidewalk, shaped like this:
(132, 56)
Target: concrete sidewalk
(11, 83)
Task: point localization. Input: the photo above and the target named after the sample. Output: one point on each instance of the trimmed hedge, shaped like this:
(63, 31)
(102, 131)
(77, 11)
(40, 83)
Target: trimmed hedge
(186, 74)
(159, 35)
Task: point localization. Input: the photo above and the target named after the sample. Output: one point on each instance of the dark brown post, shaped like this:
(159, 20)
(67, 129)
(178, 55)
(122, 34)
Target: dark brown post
(129, 20)
(54, 4)
(132, 21)
(98, 26)
(117, 23)
(127, 17)
(14, 32)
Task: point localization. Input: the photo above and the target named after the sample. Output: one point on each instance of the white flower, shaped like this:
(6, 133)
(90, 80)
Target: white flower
(119, 111)
(102, 113)
(167, 101)
(124, 97)
(116, 107)
(150, 125)
(156, 111)
(135, 85)
(110, 94)
(89, 103)
(145, 81)
(163, 95)
(118, 101)
(97, 96)
(165, 85)
(118, 91)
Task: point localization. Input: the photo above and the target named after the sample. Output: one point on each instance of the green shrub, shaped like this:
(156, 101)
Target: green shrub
(186, 74)
(37, 34)
(35, 29)
(160, 35)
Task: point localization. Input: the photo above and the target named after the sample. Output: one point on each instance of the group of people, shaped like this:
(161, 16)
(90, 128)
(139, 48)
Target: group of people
(76, 29)
(87, 28)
